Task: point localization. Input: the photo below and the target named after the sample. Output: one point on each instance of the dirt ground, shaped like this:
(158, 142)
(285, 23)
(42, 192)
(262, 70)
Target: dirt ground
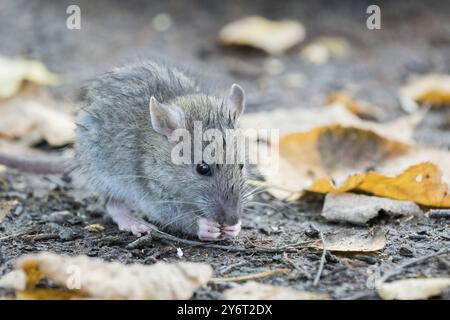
(52, 214)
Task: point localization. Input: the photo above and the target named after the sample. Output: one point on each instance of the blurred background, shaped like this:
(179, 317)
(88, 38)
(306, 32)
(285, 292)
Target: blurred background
(371, 64)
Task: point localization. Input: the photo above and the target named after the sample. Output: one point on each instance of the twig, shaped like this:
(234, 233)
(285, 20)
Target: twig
(17, 235)
(165, 237)
(225, 269)
(41, 236)
(399, 269)
(322, 259)
(250, 276)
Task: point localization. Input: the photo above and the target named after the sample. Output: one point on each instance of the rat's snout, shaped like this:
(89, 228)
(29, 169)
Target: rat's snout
(225, 214)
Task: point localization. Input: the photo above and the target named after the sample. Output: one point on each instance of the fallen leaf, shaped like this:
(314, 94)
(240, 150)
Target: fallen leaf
(274, 37)
(13, 73)
(431, 89)
(298, 120)
(421, 183)
(341, 157)
(97, 279)
(6, 206)
(363, 208)
(321, 49)
(362, 109)
(252, 290)
(349, 241)
(326, 151)
(413, 289)
(33, 121)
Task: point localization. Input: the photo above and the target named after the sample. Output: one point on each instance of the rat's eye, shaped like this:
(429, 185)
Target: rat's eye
(203, 169)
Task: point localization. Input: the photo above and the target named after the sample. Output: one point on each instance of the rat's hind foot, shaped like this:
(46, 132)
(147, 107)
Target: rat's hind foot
(230, 232)
(122, 216)
(208, 230)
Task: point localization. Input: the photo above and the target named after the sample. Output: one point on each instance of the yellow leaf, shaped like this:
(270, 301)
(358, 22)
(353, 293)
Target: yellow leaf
(432, 88)
(274, 37)
(421, 183)
(324, 152)
(413, 289)
(13, 73)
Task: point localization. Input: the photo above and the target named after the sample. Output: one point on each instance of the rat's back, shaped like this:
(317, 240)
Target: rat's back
(116, 119)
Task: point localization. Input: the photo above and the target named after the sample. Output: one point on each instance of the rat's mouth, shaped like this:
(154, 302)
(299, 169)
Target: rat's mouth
(210, 230)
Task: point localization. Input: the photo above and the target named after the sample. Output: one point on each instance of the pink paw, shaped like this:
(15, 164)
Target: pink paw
(137, 227)
(208, 230)
(230, 232)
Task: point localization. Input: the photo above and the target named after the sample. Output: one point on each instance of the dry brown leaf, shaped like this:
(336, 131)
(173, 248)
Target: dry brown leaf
(274, 37)
(431, 89)
(6, 206)
(107, 280)
(256, 291)
(323, 152)
(13, 73)
(413, 289)
(335, 158)
(349, 241)
(33, 121)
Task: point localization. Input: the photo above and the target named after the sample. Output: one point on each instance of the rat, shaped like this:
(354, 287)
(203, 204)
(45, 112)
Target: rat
(123, 145)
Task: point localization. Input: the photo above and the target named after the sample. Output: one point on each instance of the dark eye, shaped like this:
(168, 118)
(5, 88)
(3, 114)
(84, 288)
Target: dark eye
(241, 166)
(203, 169)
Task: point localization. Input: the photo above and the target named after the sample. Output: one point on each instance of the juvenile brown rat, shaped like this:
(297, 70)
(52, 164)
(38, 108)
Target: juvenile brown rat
(123, 149)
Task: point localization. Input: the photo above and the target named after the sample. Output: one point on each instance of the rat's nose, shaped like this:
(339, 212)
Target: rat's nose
(226, 215)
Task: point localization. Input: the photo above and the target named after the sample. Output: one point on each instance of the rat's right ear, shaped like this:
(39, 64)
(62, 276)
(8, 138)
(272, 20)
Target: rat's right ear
(165, 118)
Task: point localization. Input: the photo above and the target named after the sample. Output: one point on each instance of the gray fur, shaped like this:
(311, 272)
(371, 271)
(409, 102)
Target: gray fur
(124, 158)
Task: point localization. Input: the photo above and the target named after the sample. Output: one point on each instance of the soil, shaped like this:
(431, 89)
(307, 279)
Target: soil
(52, 214)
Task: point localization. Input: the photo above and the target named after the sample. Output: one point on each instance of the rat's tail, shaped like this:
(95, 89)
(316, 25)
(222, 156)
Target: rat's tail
(44, 165)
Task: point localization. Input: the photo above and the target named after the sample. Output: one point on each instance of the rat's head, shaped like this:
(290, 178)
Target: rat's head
(213, 189)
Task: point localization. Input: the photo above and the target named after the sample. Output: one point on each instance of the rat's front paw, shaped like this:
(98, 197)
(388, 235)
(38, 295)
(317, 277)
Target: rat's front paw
(230, 232)
(208, 230)
(136, 226)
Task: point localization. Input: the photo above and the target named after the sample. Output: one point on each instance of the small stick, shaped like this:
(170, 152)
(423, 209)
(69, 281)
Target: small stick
(156, 234)
(397, 270)
(17, 235)
(322, 259)
(225, 269)
(41, 237)
(250, 276)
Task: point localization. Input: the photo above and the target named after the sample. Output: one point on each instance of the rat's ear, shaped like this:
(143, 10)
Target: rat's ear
(236, 101)
(165, 118)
